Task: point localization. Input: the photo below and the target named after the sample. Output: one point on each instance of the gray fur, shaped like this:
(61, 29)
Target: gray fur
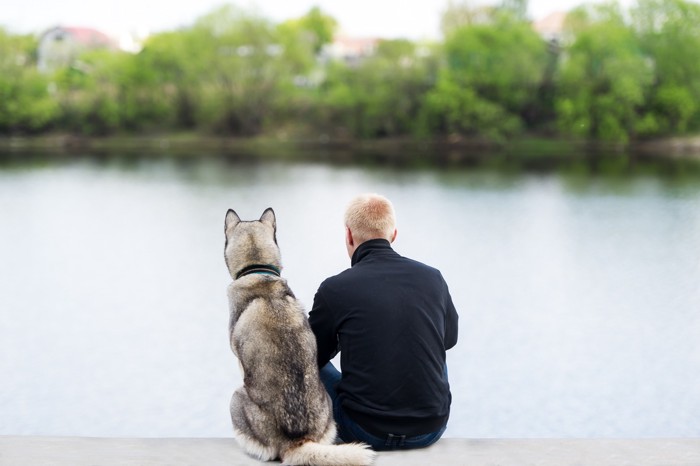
(282, 410)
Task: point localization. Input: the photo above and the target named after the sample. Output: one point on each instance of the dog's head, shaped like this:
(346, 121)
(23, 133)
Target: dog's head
(251, 242)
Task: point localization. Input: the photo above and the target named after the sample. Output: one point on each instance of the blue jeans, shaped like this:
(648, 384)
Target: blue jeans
(350, 431)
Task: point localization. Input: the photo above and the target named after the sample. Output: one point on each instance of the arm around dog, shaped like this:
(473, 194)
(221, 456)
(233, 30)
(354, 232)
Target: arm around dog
(324, 327)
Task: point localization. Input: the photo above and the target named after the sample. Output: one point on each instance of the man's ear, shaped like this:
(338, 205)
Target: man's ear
(393, 237)
(268, 218)
(348, 237)
(232, 219)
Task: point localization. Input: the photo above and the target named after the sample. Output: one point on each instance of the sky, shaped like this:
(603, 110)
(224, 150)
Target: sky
(412, 19)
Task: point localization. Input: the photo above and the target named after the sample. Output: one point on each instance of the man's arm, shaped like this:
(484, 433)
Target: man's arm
(324, 327)
(451, 321)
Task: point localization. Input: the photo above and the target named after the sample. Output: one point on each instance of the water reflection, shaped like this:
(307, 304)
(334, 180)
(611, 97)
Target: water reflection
(577, 289)
(517, 160)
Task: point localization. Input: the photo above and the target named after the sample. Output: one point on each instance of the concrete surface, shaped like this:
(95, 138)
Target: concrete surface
(82, 451)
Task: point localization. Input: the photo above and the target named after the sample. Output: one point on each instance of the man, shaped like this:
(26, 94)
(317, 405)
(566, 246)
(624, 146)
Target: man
(392, 319)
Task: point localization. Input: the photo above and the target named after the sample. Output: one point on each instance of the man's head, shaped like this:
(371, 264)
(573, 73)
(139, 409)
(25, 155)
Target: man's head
(369, 216)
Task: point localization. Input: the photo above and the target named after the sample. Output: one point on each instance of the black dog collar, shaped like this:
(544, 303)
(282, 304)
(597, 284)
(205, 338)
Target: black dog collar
(266, 269)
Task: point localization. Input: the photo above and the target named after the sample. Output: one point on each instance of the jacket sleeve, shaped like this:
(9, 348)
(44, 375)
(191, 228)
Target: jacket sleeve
(451, 321)
(323, 325)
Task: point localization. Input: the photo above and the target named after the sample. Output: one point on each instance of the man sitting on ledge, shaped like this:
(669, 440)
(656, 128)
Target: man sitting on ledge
(392, 319)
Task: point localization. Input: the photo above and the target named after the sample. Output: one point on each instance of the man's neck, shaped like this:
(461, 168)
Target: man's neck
(366, 247)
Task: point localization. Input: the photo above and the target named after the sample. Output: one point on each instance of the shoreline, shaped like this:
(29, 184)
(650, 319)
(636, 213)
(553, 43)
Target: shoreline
(84, 451)
(675, 158)
(526, 145)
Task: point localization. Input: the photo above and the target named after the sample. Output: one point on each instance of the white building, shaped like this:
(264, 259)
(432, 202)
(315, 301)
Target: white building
(60, 46)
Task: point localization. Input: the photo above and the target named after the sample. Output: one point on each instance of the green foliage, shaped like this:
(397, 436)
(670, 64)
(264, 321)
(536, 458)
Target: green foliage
(604, 77)
(382, 96)
(491, 78)
(451, 108)
(461, 13)
(677, 104)
(248, 76)
(504, 62)
(25, 102)
(107, 91)
(316, 28)
(615, 76)
(517, 8)
(668, 34)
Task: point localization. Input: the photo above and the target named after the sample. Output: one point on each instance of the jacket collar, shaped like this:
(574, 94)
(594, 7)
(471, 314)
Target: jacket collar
(370, 247)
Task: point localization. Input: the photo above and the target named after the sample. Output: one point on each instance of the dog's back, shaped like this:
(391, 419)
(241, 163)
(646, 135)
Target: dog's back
(277, 350)
(282, 410)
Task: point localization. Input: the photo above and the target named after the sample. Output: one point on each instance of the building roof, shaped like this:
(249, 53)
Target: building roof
(86, 36)
(355, 46)
(551, 25)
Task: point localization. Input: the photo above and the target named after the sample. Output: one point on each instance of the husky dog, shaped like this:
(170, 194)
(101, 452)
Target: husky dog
(282, 410)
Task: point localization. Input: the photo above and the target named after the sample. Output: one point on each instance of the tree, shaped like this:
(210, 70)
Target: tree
(317, 27)
(490, 80)
(173, 64)
(604, 77)
(382, 95)
(25, 102)
(454, 109)
(87, 95)
(517, 7)
(668, 35)
(247, 76)
(460, 13)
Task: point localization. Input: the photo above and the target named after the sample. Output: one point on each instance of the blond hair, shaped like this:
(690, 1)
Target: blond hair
(370, 216)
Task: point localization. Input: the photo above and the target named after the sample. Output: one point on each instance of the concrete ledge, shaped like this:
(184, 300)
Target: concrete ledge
(82, 451)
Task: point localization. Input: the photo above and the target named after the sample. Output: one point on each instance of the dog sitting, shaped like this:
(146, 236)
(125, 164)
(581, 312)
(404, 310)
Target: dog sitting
(282, 411)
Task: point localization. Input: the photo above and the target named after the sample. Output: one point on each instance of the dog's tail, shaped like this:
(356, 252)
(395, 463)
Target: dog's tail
(312, 453)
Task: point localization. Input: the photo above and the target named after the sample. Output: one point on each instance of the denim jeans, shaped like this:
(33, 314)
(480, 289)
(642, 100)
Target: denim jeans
(350, 431)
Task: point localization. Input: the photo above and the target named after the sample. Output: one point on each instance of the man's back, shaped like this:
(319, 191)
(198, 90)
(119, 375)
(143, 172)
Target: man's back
(393, 319)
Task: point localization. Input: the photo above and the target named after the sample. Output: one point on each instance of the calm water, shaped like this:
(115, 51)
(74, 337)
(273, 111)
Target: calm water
(579, 296)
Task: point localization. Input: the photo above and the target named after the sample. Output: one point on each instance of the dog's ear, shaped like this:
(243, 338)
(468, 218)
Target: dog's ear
(268, 217)
(232, 219)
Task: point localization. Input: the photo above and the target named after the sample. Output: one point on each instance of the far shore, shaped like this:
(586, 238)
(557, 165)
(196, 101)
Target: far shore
(193, 143)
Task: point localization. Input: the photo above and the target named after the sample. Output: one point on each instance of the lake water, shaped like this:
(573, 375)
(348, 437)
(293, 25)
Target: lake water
(579, 296)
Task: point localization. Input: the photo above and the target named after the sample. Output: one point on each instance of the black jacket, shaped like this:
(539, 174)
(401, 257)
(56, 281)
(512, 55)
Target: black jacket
(392, 319)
